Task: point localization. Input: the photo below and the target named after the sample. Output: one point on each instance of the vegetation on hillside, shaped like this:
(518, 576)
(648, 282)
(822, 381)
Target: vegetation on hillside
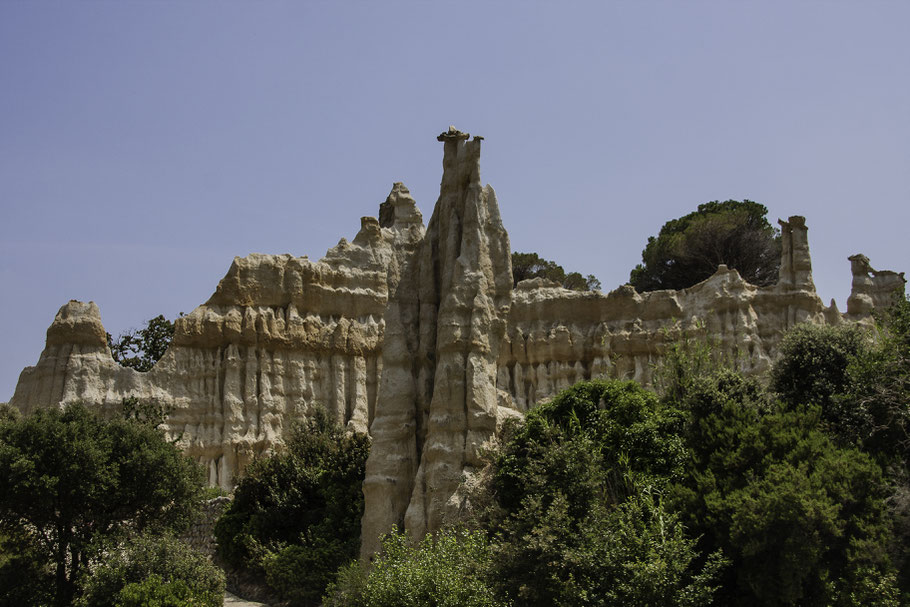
(75, 490)
(295, 518)
(787, 490)
(721, 491)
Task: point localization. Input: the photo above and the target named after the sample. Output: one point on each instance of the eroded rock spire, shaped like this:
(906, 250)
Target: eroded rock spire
(437, 403)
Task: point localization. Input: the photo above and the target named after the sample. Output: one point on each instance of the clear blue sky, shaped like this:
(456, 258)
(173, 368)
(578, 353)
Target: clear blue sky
(145, 144)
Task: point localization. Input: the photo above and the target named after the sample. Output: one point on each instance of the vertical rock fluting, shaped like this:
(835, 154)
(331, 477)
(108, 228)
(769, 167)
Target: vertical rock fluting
(437, 403)
(279, 336)
(417, 335)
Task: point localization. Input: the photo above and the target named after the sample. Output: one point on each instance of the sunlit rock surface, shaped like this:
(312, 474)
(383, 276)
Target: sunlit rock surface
(416, 335)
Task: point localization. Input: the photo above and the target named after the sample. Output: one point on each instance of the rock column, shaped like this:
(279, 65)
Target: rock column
(437, 401)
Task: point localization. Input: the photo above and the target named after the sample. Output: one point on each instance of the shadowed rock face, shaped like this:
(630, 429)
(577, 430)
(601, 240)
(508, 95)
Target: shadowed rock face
(417, 336)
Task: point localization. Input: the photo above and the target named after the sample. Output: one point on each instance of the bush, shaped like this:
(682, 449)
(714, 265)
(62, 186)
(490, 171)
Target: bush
(446, 571)
(73, 484)
(799, 517)
(570, 522)
(588, 442)
(295, 518)
(26, 578)
(812, 370)
(154, 570)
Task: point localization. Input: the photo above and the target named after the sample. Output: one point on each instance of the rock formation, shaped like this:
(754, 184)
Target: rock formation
(871, 288)
(444, 330)
(417, 336)
(279, 336)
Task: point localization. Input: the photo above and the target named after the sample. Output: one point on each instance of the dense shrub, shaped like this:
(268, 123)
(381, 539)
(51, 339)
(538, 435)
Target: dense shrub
(446, 571)
(813, 370)
(154, 570)
(72, 485)
(801, 519)
(570, 523)
(295, 517)
(26, 577)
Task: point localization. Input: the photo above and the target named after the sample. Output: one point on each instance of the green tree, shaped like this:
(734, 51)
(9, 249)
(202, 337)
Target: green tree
(880, 388)
(689, 249)
(802, 520)
(570, 522)
(295, 517)
(813, 370)
(26, 578)
(445, 570)
(154, 570)
(73, 485)
(531, 265)
(141, 349)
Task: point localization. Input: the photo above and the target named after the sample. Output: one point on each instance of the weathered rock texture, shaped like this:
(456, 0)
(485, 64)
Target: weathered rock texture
(418, 336)
(280, 335)
(201, 534)
(444, 329)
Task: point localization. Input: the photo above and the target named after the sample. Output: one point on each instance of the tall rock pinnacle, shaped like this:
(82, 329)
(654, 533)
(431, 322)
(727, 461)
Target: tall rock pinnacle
(437, 399)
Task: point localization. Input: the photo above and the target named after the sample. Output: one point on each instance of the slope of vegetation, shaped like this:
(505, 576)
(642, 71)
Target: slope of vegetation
(788, 490)
(721, 490)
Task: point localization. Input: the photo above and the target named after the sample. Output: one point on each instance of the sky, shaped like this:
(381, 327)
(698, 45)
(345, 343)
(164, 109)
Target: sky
(143, 145)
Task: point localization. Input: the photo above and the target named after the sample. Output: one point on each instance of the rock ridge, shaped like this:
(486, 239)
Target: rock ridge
(415, 334)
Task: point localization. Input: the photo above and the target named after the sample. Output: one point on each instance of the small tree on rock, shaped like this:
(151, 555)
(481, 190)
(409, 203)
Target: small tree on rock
(689, 249)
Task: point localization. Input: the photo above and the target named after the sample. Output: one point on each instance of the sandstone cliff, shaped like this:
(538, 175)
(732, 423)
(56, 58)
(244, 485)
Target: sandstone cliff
(280, 335)
(416, 335)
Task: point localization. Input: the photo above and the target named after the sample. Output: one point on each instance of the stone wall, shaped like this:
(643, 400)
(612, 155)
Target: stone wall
(201, 534)
(416, 335)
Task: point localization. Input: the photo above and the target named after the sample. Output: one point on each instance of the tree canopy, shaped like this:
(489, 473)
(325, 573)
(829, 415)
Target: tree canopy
(531, 265)
(73, 485)
(140, 349)
(295, 517)
(688, 249)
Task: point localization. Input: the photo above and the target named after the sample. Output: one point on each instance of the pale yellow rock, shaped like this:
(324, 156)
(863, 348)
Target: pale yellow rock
(416, 335)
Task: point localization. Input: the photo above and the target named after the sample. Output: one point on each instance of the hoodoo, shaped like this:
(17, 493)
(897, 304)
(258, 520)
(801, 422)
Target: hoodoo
(416, 335)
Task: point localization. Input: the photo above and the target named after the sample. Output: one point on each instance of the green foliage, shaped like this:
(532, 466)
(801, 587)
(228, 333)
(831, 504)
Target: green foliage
(73, 484)
(880, 390)
(154, 570)
(295, 517)
(150, 413)
(446, 571)
(531, 265)
(8, 412)
(799, 517)
(689, 249)
(141, 349)
(155, 592)
(587, 443)
(686, 361)
(25, 577)
(571, 525)
(812, 370)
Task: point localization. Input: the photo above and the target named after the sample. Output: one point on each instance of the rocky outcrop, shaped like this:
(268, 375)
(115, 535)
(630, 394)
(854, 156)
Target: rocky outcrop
(280, 335)
(871, 288)
(416, 335)
(438, 399)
